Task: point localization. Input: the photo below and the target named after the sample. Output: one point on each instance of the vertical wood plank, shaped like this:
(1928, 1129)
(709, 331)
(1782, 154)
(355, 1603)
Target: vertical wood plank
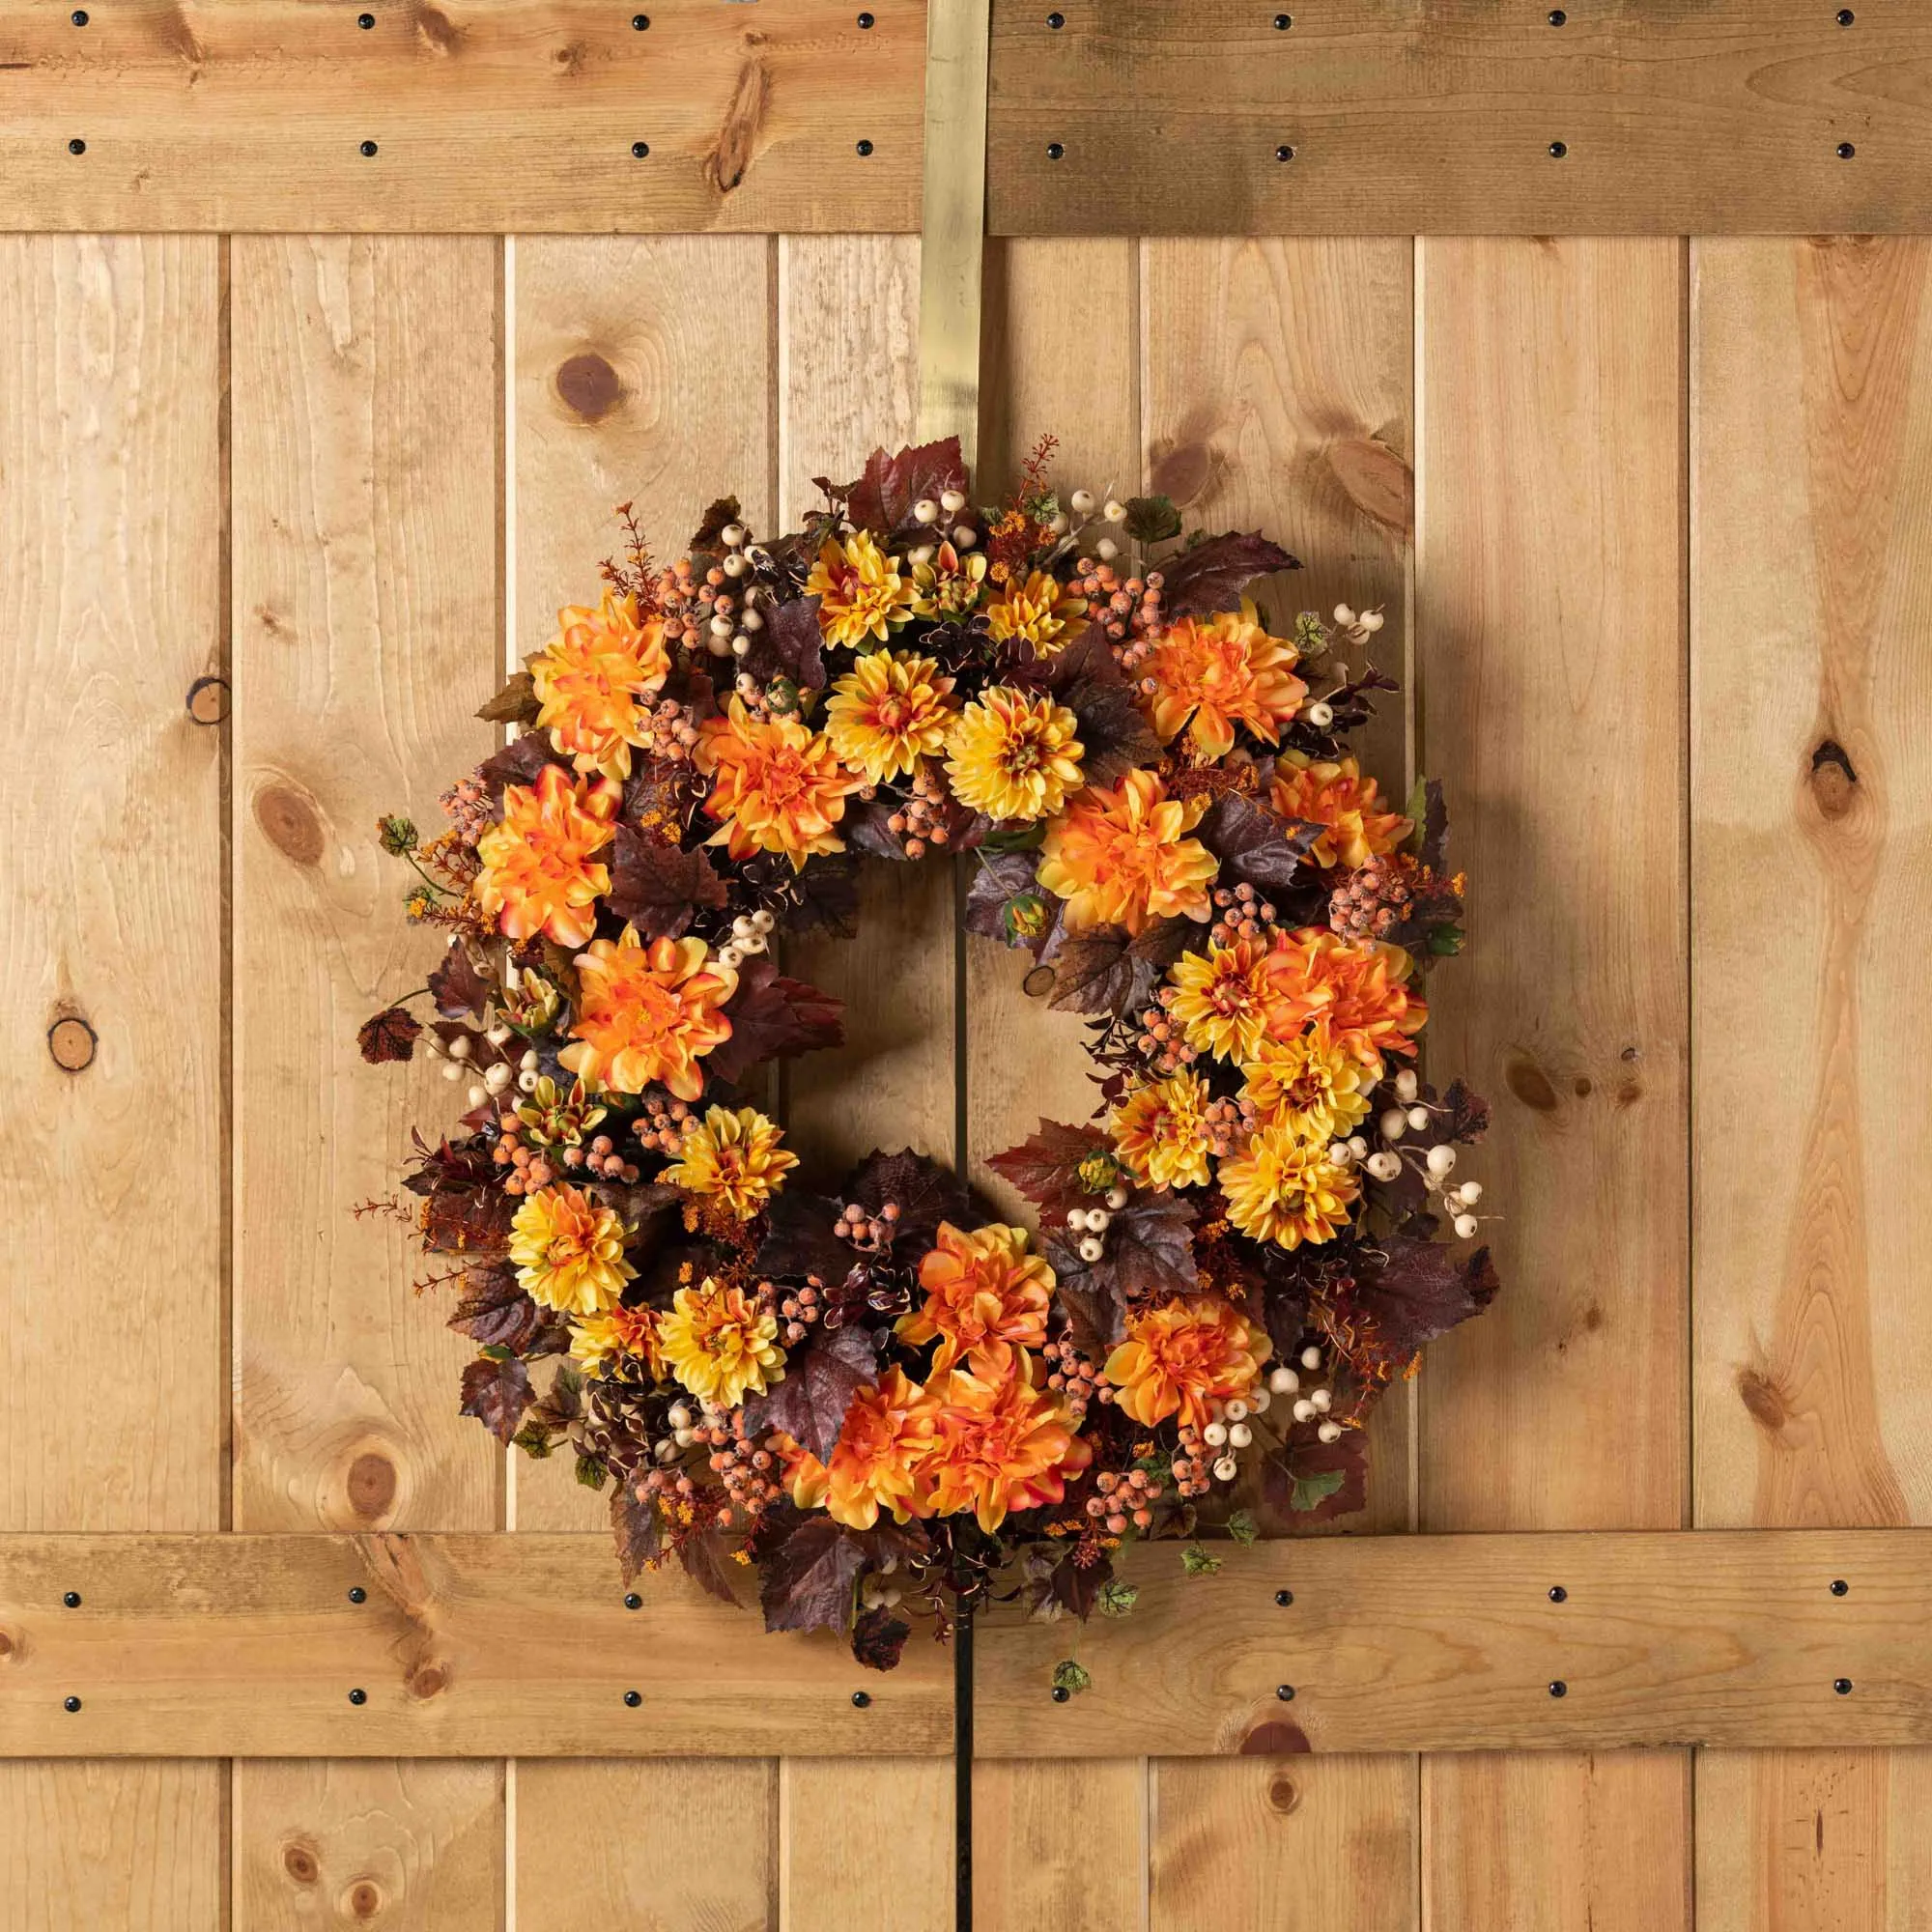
(643, 374)
(364, 486)
(1811, 804)
(1278, 377)
(1060, 328)
(111, 910)
(1551, 652)
(864, 1841)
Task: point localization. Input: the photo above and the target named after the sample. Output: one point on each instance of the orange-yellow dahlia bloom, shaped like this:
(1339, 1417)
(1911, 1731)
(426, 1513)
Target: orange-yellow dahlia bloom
(1333, 794)
(1122, 857)
(1014, 754)
(979, 1286)
(860, 590)
(733, 1157)
(540, 873)
(1184, 1355)
(1041, 611)
(1359, 989)
(1282, 1188)
(1160, 1133)
(1221, 998)
(947, 586)
(999, 1443)
(720, 1345)
(887, 713)
(1208, 674)
(569, 1251)
(1307, 1083)
(618, 1344)
(593, 678)
(647, 1012)
(774, 786)
(879, 1459)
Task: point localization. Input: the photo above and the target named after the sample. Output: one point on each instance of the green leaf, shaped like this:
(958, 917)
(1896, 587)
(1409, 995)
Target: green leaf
(496, 1352)
(1071, 1677)
(1152, 518)
(1198, 1561)
(1116, 1598)
(591, 1472)
(1311, 1490)
(533, 1440)
(1244, 1529)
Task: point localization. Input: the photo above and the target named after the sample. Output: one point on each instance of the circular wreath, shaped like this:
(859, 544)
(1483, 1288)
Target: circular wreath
(888, 1401)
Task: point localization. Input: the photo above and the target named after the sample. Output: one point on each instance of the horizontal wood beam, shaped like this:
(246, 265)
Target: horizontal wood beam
(1449, 1643)
(1400, 117)
(490, 1645)
(460, 115)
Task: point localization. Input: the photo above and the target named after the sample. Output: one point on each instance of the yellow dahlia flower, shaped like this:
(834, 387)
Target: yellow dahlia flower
(647, 1013)
(1121, 856)
(887, 713)
(1221, 998)
(1184, 1357)
(1333, 794)
(1041, 613)
(1285, 1189)
(1160, 1133)
(718, 1343)
(1209, 675)
(774, 786)
(1308, 1083)
(860, 590)
(618, 1344)
(569, 1251)
(948, 585)
(1013, 756)
(593, 678)
(540, 873)
(734, 1159)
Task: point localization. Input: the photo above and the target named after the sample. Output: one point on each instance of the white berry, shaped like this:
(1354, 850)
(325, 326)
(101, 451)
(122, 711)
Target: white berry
(1441, 1158)
(1418, 1118)
(733, 534)
(1304, 1411)
(730, 958)
(1106, 549)
(1076, 1218)
(1405, 1084)
(1283, 1381)
(1116, 1197)
(1115, 512)
(1092, 1248)
(952, 502)
(1320, 713)
(1472, 1191)
(1225, 1469)
(1393, 1124)
(1236, 1410)
(1330, 1432)
(965, 536)
(925, 510)
(1311, 1357)
(1383, 1166)
(1214, 1434)
(1322, 1400)
(1239, 1435)
(1082, 501)
(1465, 1226)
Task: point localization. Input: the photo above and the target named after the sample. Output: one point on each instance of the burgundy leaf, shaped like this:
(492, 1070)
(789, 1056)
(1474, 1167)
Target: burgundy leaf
(879, 1639)
(710, 533)
(1254, 845)
(390, 1034)
(1148, 1253)
(1108, 970)
(811, 1577)
(1422, 1291)
(799, 1242)
(515, 705)
(1046, 1167)
(1211, 576)
(497, 1393)
(883, 498)
(1469, 1113)
(638, 1530)
(821, 1378)
(495, 1311)
(707, 1565)
(659, 887)
(459, 991)
(773, 1017)
(518, 764)
(789, 646)
(1115, 737)
(1305, 1482)
(824, 897)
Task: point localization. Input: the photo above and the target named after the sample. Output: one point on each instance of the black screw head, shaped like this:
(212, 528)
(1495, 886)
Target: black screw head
(79, 16)
(1284, 153)
(1055, 150)
(639, 22)
(1284, 1598)
(1839, 1587)
(865, 147)
(1558, 16)
(357, 1594)
(1846, 17)
(1282, 23)
(1558, 149)
(72, 1598)
(1559, 1689)
(1558, 1594)
(632, 1602)
(365, 21)
(641, 150)
(1060, 1693)
(865, 20)
(633, 1698)
(861, 1699)
(1056, 21)
(1846, 151)
(358, 1696)
(368, 149)
(1286, 1692)
(1842, 1686)
(69, 1703)
(76, 147)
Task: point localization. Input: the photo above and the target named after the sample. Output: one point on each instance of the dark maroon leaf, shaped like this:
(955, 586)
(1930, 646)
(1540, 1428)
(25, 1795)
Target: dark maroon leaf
(1469, 1113)
(1108, 970)
(883, 498)
(924, 1193)
(515, 705)
(811, 1577)
(706, 1563)
(1045, 1168)
(879, 1639)
(821, 1378)
(390, 1034)
(1087, 660)
(518, 764)
(1299, 1481)
(1115, 737)
(868, 828)
(789, 646)
(1149, 1254)
(1000, 878)
(710, 533)
(458, 990)
(1422, 1291)
(1432, 834)
(773, 1017)
(497, 1393)
(1284, 1303)
(799, 1242)
(659, 887)
(638, 1530)
(1211, 576)
(495, 1311)
(824, 897)
(1253, 844)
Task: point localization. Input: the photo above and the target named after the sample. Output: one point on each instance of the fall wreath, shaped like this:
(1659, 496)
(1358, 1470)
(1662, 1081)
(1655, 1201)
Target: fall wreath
(885, 1400)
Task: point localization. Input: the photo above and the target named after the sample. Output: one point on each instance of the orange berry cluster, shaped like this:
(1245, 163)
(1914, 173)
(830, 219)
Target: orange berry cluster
(750, 1475)
(1073, 1374)
(1371, 903)
(798, 1310)
(663, 1123)
(467, 808)
(1123, 606)
(1125, 1500)
(868, 1231)
(922, 821)
(1239, 913)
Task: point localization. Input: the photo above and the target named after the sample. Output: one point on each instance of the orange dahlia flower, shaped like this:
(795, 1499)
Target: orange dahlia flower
(887, 713)
(1359, 989)
(1209, 675)
(733, 1157)
(539, 872)
(860, 591)
(1333, 794)
(1285, 1189)
(616, 1344)
(999, 1443)
(593, 678)
(1160, 1133)
(1182, 1356)
(720, 1345)
(1041, 611)
(1307, 1083)
(1014, 754)
(776, 787)
(878, 1461)
(979, 1286)
(1122, 857)
(569, 1251)
(1221, 998)
(647, 1013)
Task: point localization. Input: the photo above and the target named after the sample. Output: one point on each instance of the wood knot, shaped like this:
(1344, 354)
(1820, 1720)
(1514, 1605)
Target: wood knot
(428, 1680)
(1769, 1405)
(301, 1864)
(1183, 470)
(1528, 1082)
(371, 1485)
(363, 1899)
(291, 823)
(208, 700)
(1282, 1795)
(737, 137)
(73, 1043)
(1375, 480)
(440, 33)
(1832, 779)
(1274, 1737)
(6, 1644)
(588, 387)
(1581, 1087)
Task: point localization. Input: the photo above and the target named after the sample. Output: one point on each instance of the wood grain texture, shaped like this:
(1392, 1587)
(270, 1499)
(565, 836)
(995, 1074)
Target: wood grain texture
(1023, 1873)
(364, 478)
(111, 913)
(1550, 646)
(1431, 117)
(625, 388)
(1811, 799)
(490, 115)
(866, 1842)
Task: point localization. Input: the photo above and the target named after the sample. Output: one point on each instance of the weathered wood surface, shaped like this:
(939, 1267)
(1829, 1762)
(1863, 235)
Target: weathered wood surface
(490, 115)
(1431, 117)
(1811, 806)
